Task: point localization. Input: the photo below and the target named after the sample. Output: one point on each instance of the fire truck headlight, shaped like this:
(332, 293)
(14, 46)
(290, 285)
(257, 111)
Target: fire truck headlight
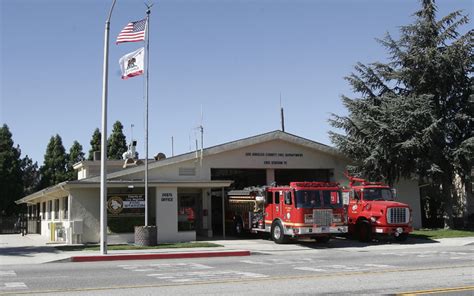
(337, 218)
(374, 219)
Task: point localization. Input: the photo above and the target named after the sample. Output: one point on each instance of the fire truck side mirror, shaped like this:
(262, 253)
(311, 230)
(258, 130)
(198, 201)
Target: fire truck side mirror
(354, 195)
(346, 197)
(394, 193)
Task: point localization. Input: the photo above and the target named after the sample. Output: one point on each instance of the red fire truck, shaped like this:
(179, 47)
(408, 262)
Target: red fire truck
(302, 209)
(372, 210)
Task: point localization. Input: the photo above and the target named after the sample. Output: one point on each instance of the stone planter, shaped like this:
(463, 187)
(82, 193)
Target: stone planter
(146, 235)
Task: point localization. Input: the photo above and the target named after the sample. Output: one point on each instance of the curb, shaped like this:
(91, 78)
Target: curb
(156, 256)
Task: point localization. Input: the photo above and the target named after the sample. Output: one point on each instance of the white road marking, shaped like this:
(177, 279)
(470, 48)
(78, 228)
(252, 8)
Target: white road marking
(309, 269)
(207, 275)
(272, 262)
(7, 273)
(165, 267)
(379, 265)
(430, 254)
(13, 285)
(327, 268)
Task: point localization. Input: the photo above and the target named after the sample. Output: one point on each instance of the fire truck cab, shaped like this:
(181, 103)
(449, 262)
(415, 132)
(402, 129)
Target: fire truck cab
(302, 209)
(373, 211)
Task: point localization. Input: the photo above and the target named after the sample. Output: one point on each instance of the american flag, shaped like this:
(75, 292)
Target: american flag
(134, 31)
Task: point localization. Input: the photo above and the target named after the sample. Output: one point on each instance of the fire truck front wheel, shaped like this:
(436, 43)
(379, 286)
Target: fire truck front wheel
(278, 233)
(364, 231)
(402, 237)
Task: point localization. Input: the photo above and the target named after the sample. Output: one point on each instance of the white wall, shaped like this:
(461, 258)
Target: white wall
(85, 206)
(408, 192)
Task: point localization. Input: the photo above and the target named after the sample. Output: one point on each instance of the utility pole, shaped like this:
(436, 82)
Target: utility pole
(103, 142)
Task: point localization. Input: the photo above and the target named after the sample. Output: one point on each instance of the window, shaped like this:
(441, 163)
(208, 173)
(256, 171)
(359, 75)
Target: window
(38, 205)
(56, 209)
(186, 213)
(43, 212)
(65, 207)
(50, 209)
(269, 197)
(308, 199)
(332, 199)
(287, 197)
(277, 197)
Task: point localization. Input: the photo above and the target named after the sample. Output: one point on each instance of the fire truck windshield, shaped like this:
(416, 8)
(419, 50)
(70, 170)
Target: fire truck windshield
(309, 199)
(378, 194)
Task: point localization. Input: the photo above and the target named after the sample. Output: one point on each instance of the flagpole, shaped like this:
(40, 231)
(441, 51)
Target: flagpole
(103, 142)
(146, 110)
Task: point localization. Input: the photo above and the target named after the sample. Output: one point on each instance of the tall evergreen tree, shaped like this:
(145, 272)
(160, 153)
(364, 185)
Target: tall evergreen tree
(53, 170)
(117, 143)
(30, 175)
(414, 115)
(11, 183)
(95, 143)
(75, 155)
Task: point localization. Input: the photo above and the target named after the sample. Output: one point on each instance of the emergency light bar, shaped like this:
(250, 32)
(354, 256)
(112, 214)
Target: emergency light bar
(314, 184)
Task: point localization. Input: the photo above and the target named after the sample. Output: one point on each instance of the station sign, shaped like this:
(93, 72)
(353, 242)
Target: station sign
(126, 205)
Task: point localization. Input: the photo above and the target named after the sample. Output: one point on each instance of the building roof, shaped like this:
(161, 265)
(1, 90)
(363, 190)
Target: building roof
(266, 137)
(114, 178)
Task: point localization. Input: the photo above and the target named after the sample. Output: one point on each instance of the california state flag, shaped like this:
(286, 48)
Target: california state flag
(131, 64)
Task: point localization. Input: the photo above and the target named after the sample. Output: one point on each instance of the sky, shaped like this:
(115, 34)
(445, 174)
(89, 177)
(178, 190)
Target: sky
(231, 59)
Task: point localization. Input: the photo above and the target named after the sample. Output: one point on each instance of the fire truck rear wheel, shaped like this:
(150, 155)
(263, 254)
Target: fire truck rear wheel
(364, 231)
(238, 227)
(278, 233)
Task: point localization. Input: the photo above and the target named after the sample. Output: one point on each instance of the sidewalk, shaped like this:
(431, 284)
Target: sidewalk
(35, 249)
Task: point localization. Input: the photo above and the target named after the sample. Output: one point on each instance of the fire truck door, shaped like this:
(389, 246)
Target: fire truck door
(277, 205)
(269, 208)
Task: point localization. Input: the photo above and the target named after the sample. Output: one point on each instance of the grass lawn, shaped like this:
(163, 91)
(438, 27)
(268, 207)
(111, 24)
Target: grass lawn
(133, 247)
(441, 233)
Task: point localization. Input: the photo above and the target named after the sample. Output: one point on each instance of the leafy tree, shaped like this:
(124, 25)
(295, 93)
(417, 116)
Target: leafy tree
(95, 143)
(414, 114)
(11, 184)
(117, 143)
(53, 170)
(30, 175)
(75, 155)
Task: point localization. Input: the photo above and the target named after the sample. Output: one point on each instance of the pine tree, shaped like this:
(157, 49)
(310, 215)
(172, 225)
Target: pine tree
(53, 170)
(75, 155)
(414, 114)
(30, 175)
(95, 143)
(117, 143)
(11, 184)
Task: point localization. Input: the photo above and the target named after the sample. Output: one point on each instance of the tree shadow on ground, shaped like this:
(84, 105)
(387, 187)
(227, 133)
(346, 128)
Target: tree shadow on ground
(29, 251)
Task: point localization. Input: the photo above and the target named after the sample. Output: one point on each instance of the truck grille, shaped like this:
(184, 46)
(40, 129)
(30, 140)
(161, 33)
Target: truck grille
(398, 215)
(322, 217)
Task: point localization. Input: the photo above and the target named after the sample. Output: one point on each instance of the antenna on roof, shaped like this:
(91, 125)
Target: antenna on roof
(201, 130)
(172, 146)
(282, 117)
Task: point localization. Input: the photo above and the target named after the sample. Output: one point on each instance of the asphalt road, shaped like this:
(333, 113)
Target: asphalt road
(444, 270)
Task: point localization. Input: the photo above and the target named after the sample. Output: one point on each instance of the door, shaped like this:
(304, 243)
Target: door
(269, 208)
(277, 209)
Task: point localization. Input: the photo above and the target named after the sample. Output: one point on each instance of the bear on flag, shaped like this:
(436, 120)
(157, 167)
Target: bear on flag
(132, 63)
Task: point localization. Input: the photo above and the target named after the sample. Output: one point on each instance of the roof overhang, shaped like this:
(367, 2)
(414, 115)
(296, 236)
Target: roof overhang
(56, 191)
(63, 189)
(271, 136)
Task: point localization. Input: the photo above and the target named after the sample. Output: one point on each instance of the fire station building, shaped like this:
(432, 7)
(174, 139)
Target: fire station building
(187, 192)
